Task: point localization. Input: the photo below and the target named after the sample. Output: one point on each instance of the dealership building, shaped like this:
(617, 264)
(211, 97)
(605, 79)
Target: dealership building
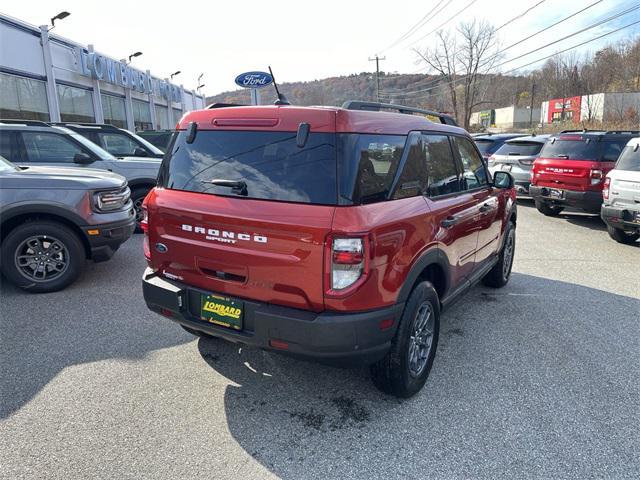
(50, 78)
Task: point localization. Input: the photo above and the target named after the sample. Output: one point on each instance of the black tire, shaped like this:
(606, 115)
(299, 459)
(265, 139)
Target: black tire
(197, 333)
(61, 258)
(394, 373)
(620, 236)
(548, 210)
(138, 194)
(499, 275)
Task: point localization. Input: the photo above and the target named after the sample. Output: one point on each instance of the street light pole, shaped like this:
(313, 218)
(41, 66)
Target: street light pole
(377, 60)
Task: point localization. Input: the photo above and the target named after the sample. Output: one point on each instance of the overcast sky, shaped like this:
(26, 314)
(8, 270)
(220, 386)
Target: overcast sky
(301, 40)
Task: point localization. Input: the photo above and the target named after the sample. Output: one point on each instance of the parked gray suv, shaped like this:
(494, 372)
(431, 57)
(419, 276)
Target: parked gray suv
(30, 143)
(52, 219)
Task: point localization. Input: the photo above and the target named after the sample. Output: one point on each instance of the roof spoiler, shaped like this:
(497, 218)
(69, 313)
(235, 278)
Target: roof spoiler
(17, 121)
(377, 107)
(224, 105)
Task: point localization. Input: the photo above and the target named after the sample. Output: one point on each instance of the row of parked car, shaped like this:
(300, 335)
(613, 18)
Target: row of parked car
(595, 171)
(70, 192)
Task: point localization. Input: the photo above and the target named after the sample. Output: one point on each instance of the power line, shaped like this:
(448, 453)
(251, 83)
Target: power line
(537, 60)
(517, 17)
(445, 22)
(423, 21)
(494, 56)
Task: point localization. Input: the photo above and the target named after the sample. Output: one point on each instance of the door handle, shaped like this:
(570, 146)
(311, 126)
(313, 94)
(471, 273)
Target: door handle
(449, 222)
(485, 207)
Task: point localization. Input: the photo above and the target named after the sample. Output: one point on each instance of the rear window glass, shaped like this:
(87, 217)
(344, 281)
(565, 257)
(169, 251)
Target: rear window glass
(629, 160)
(584, 149)
(487, 146)
(270, 164)
(524, 149)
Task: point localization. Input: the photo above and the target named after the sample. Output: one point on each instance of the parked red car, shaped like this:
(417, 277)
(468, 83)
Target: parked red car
(572, 167)
(336, 234)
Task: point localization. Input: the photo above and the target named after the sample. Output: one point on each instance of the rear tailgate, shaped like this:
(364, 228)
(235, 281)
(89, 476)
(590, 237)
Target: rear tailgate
(564, 174)
(265, 251)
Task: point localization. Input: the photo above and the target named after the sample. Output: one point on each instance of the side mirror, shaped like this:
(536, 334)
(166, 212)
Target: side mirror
(139, 152)
(82, 159)
(503, 180)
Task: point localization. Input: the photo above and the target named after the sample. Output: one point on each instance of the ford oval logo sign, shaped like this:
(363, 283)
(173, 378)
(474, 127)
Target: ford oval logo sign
(254, 80)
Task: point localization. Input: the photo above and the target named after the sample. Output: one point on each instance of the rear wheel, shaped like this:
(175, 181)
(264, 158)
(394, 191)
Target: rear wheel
(499, 275)
(137, 197)
(405, 368)
(547, 209)
(42, 256)
(621, 236)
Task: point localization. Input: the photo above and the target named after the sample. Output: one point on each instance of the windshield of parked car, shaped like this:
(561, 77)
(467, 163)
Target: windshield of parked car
(629, 159)
(525, 149)
(7, 166)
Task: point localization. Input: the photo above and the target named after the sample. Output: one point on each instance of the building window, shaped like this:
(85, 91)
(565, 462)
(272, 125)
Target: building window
(141, 115)
(23, 98)
(162, 120)
(177, 115)
(76, 104)
(113, 109)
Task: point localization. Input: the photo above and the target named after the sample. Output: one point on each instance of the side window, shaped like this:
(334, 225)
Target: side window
(378, 157)
(413, 179)
(474, 173)
(7, 146)
(49, 147)
(118, 144)
(442, 174)
(612, 150)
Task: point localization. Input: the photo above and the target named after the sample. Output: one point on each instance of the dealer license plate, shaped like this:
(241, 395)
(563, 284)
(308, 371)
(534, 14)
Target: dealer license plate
(222, 311)
(553, 193)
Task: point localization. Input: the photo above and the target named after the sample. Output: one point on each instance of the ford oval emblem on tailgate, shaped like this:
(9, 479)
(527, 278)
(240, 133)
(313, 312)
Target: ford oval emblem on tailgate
(161, 247)
(254, 80)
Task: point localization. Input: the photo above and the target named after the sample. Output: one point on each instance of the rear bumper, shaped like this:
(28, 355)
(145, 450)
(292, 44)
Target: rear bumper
(335, 338)
(620, 217)
(588, 201)
(110, 236)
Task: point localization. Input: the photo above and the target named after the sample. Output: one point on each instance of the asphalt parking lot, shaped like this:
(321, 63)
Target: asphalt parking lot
(538, 380)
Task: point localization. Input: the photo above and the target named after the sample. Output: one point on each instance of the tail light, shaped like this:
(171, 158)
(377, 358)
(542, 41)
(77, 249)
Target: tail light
(144, 225)
(605, 188)
(596, 176)
(347, 262)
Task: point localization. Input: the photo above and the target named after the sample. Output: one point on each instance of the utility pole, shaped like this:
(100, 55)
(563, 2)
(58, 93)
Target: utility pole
(377, 59)
(533, 92)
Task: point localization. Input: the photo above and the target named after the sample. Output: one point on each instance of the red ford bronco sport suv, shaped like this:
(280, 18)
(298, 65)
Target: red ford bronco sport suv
(571, 169)
(334, 234)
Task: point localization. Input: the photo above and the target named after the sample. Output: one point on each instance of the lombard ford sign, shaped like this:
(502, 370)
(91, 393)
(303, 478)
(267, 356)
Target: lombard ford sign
(254, 80)
(119, 73)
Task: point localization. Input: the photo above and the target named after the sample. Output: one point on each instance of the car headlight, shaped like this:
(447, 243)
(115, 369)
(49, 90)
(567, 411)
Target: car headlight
(111, 200)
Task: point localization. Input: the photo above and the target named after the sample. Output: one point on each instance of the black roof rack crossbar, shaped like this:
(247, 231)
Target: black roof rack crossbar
(603, 132)
(17, 121)
(224, 105)
(376, 107)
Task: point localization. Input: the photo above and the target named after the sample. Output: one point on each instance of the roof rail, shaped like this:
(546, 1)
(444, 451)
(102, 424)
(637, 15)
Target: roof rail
(84, 124)
(632, 132)
(17, 121)
(376, 107)
(224, 105)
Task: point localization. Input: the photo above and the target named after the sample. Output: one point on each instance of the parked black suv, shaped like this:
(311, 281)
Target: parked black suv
(52, 219)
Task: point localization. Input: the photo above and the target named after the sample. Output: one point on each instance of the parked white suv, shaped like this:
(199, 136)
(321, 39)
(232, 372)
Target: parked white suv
(621, 195)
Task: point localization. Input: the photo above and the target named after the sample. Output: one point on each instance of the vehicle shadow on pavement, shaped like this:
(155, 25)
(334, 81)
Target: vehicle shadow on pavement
(527, 365)
(96, 318)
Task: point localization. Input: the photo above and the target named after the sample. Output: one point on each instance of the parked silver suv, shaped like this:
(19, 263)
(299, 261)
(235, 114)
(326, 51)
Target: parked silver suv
(621, 196)
(30, 143)
(516, 156)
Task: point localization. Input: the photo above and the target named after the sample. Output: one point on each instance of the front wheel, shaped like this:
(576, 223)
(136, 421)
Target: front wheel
(404, 370)
(42, 256)
(547, 209)
(499, 275)
(620, 236)
(137, 197)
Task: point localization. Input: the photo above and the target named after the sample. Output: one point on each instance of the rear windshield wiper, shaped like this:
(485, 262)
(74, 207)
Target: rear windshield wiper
(566, 157)
(238, 187)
